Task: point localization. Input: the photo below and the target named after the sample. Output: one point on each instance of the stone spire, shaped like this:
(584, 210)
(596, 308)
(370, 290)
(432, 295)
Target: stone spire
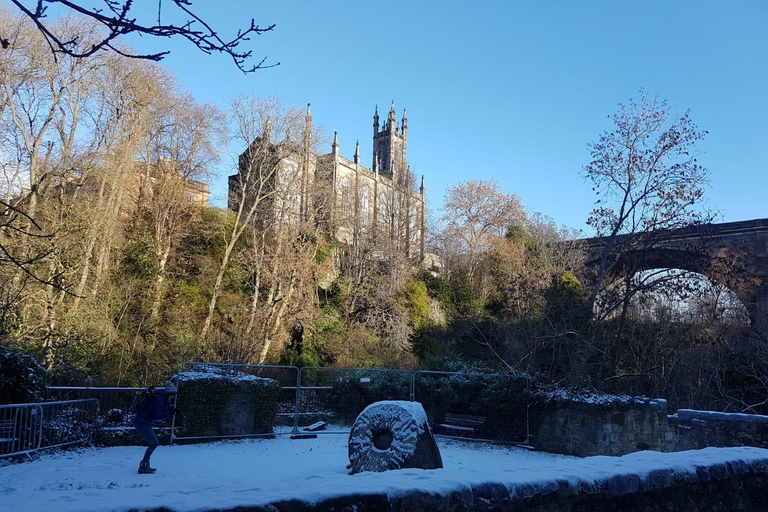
(376, 121)
(308, 129)
(357, 152)
(335, 145)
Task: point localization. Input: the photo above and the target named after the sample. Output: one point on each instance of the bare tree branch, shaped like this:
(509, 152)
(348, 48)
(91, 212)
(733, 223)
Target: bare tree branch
(9, 219)
(117, 20)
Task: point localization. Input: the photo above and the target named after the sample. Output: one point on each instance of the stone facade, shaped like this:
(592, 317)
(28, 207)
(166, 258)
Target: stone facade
(584, 429)
(380, 200)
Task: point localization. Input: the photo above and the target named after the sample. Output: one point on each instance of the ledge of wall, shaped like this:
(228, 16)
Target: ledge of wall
(735, 485)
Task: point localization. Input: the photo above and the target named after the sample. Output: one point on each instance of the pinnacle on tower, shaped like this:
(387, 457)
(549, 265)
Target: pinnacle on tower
(308, 125)
(335, 145)
(376, 121)
(357, 152)
(267, 131)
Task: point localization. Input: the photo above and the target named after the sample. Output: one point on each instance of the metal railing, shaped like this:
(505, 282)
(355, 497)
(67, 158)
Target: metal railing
(335, 396)
(479, 394)
(27, 428)
(114, 402)
(341, 394)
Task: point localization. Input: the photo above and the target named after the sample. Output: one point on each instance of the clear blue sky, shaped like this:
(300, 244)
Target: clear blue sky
(509, 90)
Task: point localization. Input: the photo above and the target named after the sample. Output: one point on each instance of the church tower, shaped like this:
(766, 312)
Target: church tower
(389, 144)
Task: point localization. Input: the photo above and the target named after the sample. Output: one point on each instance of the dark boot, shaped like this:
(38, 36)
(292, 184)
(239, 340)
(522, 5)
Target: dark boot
(144, 468)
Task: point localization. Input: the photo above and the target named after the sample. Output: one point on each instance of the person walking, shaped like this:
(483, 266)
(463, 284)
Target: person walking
(156, 406)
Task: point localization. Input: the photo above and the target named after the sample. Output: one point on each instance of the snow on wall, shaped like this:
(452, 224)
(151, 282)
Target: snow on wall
(210, 372)
(591, 397)
(690, 414)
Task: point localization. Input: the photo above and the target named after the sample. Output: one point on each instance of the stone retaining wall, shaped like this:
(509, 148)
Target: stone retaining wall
(585, 429)
(699, 429)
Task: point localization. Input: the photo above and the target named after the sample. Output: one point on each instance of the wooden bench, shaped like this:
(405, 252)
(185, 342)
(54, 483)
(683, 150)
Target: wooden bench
(462, 424)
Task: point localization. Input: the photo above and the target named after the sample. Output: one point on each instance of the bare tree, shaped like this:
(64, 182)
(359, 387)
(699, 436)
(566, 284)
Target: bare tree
(122, 119)
(476, 212)
(116, 19)
(180, 147)
(647, 181)
(266, 130)
(284, 254)
(51, 122)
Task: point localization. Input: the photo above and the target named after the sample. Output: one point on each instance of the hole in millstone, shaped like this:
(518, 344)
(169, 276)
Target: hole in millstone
(382, 438)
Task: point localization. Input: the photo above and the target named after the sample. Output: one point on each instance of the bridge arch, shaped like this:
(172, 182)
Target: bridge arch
(692, 270)
(734, 254)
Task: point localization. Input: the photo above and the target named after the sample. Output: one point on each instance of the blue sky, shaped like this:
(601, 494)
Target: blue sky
(508, 90)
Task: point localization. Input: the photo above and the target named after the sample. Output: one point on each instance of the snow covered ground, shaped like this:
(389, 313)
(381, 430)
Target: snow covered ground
(261, 471)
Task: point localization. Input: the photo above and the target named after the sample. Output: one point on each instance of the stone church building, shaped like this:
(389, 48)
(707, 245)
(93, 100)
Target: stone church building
(380, 203)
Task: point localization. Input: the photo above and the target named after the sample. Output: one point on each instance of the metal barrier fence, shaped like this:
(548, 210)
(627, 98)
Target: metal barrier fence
(27, 428)
(114, 402)
(335, 396)
(499, 403)
(338, 395)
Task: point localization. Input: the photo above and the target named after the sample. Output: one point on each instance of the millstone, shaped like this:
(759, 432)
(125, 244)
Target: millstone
(392, 435)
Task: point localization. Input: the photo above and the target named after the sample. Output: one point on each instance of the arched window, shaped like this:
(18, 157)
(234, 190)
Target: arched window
(383, 207)
(364, 205)
(345, 196)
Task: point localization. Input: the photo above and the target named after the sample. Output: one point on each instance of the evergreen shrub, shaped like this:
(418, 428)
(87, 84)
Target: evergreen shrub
(459, 393)
(224, 403)
(354, 391)
(22, 379)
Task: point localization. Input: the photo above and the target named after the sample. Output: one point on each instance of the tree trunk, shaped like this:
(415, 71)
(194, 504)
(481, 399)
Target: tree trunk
(217, 287)
(160, 281)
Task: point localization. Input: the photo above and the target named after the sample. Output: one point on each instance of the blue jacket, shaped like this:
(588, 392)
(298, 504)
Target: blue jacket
(157, 410)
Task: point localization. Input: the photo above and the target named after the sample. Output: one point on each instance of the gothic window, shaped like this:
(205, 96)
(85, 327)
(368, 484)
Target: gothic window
(345, 207)
(364, 205)
(383, 208)
(414, 224)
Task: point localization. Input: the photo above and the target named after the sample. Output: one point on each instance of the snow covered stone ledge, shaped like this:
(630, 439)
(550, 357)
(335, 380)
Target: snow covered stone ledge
(309, 475)
(690, 481)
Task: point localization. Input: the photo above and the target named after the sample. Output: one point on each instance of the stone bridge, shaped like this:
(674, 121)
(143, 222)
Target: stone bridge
(708, 249)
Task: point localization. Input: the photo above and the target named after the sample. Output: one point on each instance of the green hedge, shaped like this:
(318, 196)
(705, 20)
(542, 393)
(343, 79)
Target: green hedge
(22, 379)
(506, 401)
(227, 404)
(354, 391)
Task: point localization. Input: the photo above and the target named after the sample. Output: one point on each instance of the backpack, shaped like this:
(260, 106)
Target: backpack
(143, 401)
